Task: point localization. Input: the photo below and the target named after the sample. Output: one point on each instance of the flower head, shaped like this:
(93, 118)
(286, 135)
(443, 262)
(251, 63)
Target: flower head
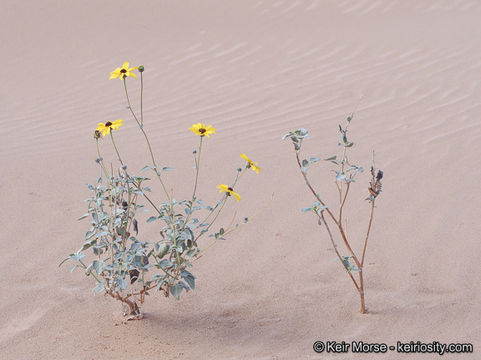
(105, 128)
(250, 164)
(229, 191)
(202, 130)
(123, 72)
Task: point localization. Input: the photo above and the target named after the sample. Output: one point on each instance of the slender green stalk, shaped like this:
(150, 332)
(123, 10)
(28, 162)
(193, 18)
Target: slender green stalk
(115, 147)
(197, 167)
(141, 126)
(141, 98)
(238, 176)
(102, 165)
(91, 273)
(214, 219)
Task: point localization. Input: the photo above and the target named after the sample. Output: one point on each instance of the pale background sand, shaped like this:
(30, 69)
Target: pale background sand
(253, 69)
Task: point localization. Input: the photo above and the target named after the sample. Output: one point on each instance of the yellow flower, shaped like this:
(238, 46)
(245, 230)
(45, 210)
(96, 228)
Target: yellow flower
(202, 130)
(229, 191)
(250, 164)
(123, 72)
(105, 128)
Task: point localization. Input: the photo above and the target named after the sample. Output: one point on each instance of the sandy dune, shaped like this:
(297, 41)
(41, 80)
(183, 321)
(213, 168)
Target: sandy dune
(254, 70)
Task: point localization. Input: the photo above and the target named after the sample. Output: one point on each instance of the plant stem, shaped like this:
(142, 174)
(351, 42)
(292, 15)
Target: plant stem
(115, 147)
(361, 293)
(367, 234)
(321, 217)
(141, 126)
(102, 165)
(214, 219)
(360, 286)
(343, 201)
(141, 99)
(197, 167)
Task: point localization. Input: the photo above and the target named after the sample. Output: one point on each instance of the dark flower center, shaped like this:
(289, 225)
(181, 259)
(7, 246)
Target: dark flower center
(108, 124)
(202, 130)
(123, 71)
(230, 189)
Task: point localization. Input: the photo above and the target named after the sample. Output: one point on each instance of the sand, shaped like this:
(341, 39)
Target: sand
(254, 70)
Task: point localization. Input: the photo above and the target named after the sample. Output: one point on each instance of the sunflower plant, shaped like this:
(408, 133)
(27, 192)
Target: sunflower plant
(346, 174)
(124, 264)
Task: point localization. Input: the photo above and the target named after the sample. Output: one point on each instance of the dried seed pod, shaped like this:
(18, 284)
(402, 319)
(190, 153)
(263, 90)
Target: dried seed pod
(134, 275)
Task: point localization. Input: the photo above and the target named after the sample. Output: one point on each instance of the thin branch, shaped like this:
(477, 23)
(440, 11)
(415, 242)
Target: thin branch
(367, 234)
(321, 217)
(342, 203)
(341, 230)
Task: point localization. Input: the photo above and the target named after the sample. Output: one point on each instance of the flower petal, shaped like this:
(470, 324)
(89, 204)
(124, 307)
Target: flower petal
(114, 74)
(236, 195)
(222, 187)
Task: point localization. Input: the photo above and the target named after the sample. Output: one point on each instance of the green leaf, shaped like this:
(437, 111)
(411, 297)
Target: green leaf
(164, 264)
(99, 288)
(331, 158)
(88, 270)
(167, 168)
(83, 216)
(152, 218)
(189, 278)
(163, 249)
(305, 163)
(140, 260)
(314, 159)
(123, 283)
(147, 167)
(77, 256)
(302, 133)
(98, 266)
(176, 290)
